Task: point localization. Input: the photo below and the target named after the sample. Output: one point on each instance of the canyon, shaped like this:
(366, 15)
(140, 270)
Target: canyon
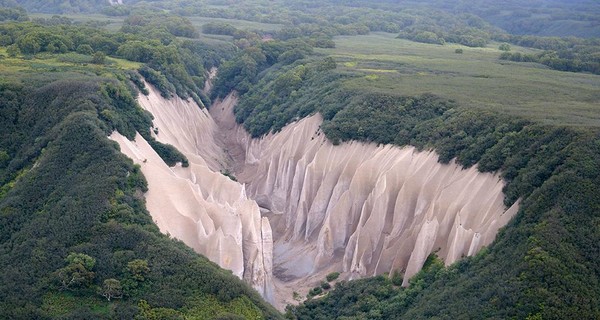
(283, 211)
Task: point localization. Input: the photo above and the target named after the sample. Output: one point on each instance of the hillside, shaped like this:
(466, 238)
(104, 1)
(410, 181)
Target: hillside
(77, 240)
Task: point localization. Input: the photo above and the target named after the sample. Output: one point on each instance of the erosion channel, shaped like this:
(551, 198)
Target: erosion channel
(302, 207)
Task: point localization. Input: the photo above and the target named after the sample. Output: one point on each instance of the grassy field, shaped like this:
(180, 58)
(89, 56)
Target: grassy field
(476, 78)
(58, 66)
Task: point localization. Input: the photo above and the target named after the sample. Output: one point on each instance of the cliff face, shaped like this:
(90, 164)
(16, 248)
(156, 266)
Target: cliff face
(198, 205)
(367, 209)
(304, 207)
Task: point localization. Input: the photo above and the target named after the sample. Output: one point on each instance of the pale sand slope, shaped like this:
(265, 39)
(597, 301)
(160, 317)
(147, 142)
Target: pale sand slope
(208, 83)
(198, 205)
(358, 208)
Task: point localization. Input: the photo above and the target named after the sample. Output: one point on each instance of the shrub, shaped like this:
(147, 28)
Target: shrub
(332, 276)
(504, 47)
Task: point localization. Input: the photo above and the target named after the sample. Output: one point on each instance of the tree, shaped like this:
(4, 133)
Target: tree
(99, 58)
(82, 259)
(138, 269)
(29, 44)
(504, 47)
(13, 50)
(85, 49)
(332, 276)
(78, 272)
(111, 289)
(4, 158)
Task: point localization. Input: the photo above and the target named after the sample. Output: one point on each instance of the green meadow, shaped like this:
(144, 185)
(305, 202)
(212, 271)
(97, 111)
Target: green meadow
(477, 78)
(58, 66)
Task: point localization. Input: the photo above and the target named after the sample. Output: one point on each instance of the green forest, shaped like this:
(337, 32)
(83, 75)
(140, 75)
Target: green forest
(76, 241)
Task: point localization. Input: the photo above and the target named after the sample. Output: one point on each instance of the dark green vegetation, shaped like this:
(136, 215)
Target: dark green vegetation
(67, 189)
(174, 62)
(541, 17)
(76, 241)
(13, 14)
(575, 55)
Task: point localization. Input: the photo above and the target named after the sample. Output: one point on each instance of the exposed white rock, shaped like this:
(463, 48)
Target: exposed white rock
(366, 209)
(115, 2)
(208, 83)
(198, 205)
(362, 209)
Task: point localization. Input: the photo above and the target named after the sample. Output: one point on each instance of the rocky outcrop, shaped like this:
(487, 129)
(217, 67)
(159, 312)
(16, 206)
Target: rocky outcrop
(115, 2)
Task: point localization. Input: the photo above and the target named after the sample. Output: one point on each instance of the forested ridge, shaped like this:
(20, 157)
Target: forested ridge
(76, 240)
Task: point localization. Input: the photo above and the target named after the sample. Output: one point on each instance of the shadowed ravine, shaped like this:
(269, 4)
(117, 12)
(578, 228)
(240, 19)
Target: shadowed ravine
(302, 207)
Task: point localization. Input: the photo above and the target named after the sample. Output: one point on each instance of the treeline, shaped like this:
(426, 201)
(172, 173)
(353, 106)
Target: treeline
(13, 14)
(564, 54)
(75, 238)
(439, 27)
(325, 20)
(542, 265)
(58, 6)
(318, 23)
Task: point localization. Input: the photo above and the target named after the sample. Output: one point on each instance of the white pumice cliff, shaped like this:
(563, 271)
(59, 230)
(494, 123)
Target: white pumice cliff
(304, 207)
(198, 205)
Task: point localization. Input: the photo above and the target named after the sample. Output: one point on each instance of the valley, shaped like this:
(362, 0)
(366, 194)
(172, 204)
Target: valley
(358, 209)
(209, 159)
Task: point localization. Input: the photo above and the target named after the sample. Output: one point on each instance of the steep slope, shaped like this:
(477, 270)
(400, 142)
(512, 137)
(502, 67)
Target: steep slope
(199, 205)
(73, 215)
(361, 209)
(367, 209)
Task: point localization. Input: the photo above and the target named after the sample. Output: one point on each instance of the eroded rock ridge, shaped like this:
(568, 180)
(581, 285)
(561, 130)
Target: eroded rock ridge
(304, 207)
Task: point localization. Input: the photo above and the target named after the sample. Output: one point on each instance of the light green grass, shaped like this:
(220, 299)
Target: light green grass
(475, 79)
(124, 64)
(55, 65)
